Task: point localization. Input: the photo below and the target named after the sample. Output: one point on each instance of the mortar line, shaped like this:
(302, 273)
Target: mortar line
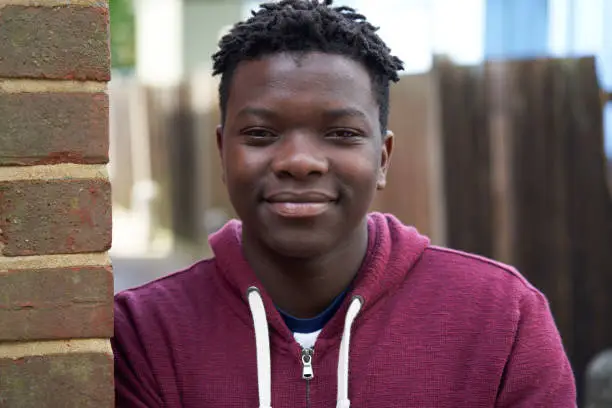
(17, 350)
(18, 85)
(54, 3)
(101, 259)
(64, 171)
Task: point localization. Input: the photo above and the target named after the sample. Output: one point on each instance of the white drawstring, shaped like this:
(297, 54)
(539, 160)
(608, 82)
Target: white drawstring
(343, 359)
(262, 343)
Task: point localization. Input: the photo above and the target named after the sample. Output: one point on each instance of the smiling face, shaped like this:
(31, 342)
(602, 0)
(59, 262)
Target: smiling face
(302, 151)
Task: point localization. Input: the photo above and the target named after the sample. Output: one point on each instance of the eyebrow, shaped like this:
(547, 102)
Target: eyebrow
(259, 112)
(344, 112)
(330, 113)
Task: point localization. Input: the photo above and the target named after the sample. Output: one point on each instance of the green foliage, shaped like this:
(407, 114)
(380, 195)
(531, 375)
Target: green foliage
(123, 34)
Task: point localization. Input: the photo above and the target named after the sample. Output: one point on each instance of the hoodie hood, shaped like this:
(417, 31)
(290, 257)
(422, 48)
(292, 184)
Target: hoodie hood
(393, 250)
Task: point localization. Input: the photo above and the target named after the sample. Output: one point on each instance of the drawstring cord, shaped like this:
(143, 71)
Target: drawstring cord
(262, 342)
(343, 359)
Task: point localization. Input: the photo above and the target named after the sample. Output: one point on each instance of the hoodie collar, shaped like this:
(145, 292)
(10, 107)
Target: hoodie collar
(393, 249)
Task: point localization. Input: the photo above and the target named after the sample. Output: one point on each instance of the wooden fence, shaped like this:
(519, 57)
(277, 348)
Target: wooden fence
(525, 175)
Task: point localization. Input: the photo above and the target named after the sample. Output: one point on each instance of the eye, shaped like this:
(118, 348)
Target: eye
(259, 136)
(344, 134)
(258, 133)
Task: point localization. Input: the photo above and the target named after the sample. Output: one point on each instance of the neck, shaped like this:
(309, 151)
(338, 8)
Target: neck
(305, 287)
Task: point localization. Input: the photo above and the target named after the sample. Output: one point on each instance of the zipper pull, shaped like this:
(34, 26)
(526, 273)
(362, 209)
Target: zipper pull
(307, 372)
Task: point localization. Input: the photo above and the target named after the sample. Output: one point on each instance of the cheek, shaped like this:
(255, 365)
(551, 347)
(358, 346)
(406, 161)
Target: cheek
(243, 167)
(361, 172)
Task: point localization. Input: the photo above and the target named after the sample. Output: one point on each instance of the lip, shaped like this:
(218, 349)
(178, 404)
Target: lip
(299, 197)
(299, 210)
(307, 204)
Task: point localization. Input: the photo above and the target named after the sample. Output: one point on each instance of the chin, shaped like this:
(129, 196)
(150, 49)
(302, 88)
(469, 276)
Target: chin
(299, 246)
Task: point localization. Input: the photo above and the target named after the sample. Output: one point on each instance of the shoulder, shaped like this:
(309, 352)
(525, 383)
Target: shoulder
(474, 269)
(477, 281)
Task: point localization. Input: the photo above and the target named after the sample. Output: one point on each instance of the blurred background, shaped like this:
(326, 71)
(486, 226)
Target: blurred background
(503, 120)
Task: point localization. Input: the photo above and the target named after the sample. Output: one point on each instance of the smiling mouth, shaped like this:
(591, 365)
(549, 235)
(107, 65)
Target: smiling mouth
(302, 205)
(299, 210)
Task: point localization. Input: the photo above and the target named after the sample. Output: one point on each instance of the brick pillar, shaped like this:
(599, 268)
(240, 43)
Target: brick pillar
(56, 283)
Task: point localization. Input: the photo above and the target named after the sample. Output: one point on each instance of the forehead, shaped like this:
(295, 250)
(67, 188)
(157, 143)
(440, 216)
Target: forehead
(310, 80)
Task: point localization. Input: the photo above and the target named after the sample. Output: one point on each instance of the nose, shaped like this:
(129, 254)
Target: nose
(300, 157)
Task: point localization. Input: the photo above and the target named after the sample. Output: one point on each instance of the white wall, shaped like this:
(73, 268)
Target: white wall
(416, 29)
(159, 51)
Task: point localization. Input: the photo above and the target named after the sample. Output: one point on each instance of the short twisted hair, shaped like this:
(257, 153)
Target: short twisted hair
(308, 26)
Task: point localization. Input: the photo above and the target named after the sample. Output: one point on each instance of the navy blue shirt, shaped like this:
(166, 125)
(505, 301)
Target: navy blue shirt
(315, 323)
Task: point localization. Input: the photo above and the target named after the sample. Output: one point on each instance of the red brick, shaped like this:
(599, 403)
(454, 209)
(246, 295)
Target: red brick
(68, 42)
(43, 128)
(65, 380)
(56, 303)
(55, 216)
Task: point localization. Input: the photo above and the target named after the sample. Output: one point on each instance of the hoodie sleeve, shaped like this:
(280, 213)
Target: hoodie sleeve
(538, 372)
(135, 385)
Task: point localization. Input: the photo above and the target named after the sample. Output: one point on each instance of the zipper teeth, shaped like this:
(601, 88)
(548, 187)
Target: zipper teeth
(307, 393)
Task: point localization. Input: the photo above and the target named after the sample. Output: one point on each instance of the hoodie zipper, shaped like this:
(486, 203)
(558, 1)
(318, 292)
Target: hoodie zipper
(307, 371)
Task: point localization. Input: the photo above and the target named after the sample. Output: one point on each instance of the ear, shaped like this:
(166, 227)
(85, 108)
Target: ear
(219, 133)
(385, 159)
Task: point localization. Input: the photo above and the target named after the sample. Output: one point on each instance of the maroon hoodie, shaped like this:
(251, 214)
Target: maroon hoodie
(429, 327)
